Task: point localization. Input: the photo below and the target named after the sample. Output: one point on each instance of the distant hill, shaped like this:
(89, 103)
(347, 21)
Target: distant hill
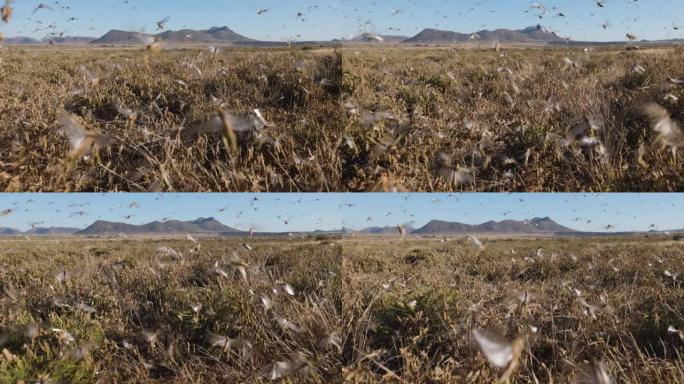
(535, 226)
(432, 36)
(116, 36)
(9, 232)
(201, 226)
(385, 230)
(223, 35)
(215, 35)
(19, 41)
(385, 38)
(71, 40)
(212, 35)
(52, 231)
(535, 34)
(212, 227)
(171, 227)
(379, 230)
(66, 40)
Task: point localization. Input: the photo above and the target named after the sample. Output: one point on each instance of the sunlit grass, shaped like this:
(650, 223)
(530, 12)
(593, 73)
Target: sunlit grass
(411, 320)
(127, 313)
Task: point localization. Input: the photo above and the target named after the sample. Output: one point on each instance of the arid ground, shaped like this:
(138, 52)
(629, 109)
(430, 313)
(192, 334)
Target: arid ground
(410, 307)
(165, 311)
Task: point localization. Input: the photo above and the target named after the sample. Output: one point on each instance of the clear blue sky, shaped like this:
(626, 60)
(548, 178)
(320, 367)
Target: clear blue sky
(626, 212)
(267, 214)
(651, 19)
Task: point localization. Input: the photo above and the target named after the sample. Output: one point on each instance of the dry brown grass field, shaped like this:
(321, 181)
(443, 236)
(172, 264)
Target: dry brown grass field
(521, 119)
(410, 306)
(352, 119)
(154, 109)
(99, 311)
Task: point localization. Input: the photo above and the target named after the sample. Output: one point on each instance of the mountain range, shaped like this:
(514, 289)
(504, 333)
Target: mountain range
(536, 34)
(438, 227)
(535, 226)
(211, 227)
(66, 40)
(386, 230)
(215, 35)
(201, 226)
(52, 231)
(223, 35)
(9, 232)
(385, 39)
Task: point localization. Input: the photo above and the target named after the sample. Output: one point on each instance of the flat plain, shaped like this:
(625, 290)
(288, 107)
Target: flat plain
(410, 307)
(161, 310)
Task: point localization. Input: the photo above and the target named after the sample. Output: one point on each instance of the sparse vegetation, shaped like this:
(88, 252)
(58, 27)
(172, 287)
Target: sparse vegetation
(88, 311)
(410, 319)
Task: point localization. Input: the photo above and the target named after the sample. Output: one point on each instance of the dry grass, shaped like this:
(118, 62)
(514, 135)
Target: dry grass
(498, 116)
(493, 119)
(172, 92)
(456, 289)
(133, 290)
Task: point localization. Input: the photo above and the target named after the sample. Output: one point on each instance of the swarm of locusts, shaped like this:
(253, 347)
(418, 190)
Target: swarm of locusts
(478, 310)
(191, 310)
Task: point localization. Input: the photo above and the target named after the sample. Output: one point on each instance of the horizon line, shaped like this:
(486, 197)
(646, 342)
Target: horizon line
(47, 39)
(343, 229)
